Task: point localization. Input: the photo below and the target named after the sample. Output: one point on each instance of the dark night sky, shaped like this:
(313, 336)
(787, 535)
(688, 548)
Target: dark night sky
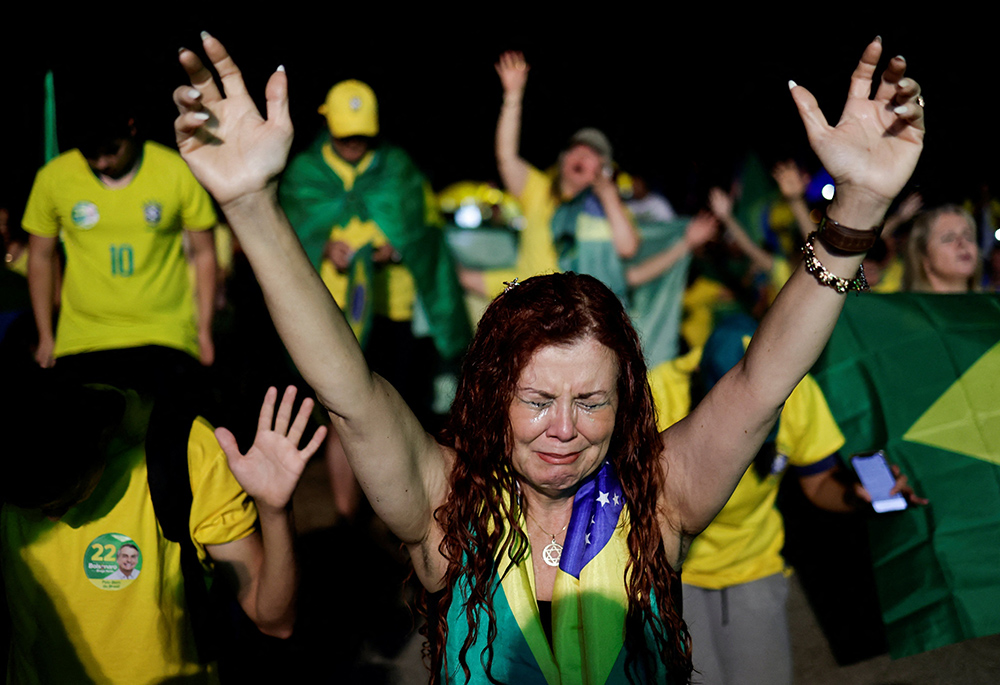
(682, 98)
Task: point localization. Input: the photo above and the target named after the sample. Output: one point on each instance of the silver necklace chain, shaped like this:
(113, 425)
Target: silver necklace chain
(552, 552)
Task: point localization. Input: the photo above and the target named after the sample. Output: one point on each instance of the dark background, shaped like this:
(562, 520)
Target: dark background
(683, 94)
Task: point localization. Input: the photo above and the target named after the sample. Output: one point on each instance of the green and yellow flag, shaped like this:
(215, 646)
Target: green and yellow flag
(919, 376)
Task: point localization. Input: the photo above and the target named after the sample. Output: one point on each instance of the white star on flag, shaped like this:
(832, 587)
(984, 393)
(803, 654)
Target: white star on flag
(587, 538)
(615, 499)
(603, 499)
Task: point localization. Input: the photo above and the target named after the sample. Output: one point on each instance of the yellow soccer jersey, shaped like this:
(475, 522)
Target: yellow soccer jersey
(744, 541)
(126, 281)
(536, 252)
(75, 618)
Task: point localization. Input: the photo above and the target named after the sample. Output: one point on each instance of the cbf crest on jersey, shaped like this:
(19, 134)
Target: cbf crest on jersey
(152, 212)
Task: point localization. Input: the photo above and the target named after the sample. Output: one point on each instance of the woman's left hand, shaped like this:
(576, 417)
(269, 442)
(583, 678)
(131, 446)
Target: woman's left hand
(873, 149)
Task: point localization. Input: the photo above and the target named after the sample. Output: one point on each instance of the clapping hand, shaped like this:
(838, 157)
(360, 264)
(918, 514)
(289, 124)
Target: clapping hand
(271, 468)
(231, 149)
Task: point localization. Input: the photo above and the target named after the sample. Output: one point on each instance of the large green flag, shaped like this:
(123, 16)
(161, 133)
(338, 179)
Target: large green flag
(582, 235)
(391, 193)
(919, 376)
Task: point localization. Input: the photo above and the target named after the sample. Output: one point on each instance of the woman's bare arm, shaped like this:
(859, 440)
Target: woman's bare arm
(699, 231)
(624, 235)
(237, 155)
(870, 153)
(513, 73)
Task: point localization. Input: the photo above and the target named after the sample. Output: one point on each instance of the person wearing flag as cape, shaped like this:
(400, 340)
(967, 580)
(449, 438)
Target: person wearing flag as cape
(368, 221)
(552, 520)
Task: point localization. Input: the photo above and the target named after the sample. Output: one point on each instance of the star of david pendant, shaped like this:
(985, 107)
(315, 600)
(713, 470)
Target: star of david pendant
(552, 553)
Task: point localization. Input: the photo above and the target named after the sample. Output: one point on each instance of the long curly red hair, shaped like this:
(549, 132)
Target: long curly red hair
(551, 310)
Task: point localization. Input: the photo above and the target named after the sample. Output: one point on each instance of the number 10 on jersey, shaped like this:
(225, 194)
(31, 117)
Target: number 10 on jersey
(122, 261)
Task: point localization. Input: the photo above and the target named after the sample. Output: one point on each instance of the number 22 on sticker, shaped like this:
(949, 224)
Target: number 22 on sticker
(110, 552)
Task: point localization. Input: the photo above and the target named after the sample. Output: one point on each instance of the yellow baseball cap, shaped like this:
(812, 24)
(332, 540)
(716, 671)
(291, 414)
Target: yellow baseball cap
(351, 110)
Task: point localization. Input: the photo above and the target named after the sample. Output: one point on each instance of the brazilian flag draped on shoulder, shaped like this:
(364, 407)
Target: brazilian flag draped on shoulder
(390, 192)
(919, 375)
(582, 234)
(588, 608)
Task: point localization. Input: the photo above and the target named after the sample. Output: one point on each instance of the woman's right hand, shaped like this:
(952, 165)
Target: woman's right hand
(231, 149)
(513, 72)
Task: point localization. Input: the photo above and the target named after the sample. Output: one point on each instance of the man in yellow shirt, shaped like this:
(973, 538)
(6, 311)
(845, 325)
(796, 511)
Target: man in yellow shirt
(735, 579)
(97, 591)
(123, 208)
(360, 205)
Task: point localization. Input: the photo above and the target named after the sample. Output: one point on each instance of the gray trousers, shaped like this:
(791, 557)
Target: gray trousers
(739, 635)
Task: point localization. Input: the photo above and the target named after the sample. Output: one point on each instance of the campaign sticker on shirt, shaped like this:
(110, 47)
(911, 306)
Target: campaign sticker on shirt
(112, 561)
(152, 212)
(85, 215)
(779, 464)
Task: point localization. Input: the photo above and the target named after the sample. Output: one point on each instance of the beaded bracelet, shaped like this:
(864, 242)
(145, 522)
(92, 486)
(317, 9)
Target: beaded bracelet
(825, 277)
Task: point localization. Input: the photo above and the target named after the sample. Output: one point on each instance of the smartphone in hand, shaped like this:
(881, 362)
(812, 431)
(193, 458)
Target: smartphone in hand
(877, 477)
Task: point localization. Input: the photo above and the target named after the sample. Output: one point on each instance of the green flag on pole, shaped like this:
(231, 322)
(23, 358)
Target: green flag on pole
(919, 376)
(51, 149)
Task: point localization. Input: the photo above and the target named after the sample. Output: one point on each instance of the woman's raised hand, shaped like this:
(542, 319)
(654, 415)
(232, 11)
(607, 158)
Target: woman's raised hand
(271, 468)
(790, 179)
(873, 149)
(720, 203)
(513, 71)
(231, 149)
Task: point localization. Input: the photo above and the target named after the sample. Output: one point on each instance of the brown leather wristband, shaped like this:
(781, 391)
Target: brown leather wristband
(844, 240)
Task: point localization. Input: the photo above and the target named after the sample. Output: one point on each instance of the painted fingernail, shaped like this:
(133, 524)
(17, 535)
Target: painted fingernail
(181, 49)
(900, 57)
(791, 84)
(205, 35)
(202, 116)
(905, 83)
(281, 68)
(194, 93)
(902, 109)
(878, 39)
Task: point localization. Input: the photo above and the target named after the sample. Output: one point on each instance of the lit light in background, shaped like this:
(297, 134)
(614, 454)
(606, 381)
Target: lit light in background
(997, 235)
(828, 191)
(468, 216)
